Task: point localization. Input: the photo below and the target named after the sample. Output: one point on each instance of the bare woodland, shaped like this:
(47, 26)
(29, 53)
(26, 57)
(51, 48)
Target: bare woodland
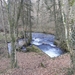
(19, 18)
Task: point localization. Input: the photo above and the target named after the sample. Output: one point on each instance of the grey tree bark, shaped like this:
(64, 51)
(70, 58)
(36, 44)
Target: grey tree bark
(3, 23)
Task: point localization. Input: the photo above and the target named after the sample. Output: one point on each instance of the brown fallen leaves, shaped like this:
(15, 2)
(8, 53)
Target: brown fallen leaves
(32, 63)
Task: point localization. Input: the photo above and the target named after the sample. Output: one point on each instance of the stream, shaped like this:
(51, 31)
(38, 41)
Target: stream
(44, 42)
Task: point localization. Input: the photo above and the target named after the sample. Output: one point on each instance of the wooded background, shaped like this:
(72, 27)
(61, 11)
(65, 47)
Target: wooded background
(20, 17)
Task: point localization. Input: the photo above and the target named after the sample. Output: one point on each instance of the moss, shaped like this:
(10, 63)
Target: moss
(33, 49)
(63, 46)
(56, 42)
(70, 71)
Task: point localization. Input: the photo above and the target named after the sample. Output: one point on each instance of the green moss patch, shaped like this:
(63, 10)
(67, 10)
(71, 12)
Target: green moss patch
(33, 49)
(61, 44)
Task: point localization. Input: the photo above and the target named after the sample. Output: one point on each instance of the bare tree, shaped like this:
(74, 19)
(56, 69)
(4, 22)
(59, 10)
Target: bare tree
(13, 25)
(3, 23)
(67, 13)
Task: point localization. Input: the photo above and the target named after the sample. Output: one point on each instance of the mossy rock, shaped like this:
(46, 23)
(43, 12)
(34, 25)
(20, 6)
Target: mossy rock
(61, 44)
(33, 49)
(18, 49)
(56, 42)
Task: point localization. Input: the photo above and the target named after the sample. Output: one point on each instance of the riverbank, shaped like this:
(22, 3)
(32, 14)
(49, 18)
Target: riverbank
(32, 63)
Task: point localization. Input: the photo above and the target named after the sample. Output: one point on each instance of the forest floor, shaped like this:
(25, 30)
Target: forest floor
(32, 63)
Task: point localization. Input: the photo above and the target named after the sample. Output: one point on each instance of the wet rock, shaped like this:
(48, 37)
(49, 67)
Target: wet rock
(20, 45)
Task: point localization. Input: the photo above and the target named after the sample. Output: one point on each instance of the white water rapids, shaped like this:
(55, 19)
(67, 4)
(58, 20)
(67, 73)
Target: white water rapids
(43, 41)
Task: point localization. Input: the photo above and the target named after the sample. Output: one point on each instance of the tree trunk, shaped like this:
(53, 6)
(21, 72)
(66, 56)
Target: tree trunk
(12, 36)
(3, 23)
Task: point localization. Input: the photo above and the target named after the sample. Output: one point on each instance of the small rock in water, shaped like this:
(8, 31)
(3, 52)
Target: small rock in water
(44, 43)
(23, 49)
(37, 39)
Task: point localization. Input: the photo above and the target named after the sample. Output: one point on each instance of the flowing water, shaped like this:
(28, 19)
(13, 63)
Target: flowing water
(45, 42)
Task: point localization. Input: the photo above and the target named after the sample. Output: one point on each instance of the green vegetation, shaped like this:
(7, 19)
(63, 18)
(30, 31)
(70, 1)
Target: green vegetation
(70, 71)
(63, 46)
(33, 49)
